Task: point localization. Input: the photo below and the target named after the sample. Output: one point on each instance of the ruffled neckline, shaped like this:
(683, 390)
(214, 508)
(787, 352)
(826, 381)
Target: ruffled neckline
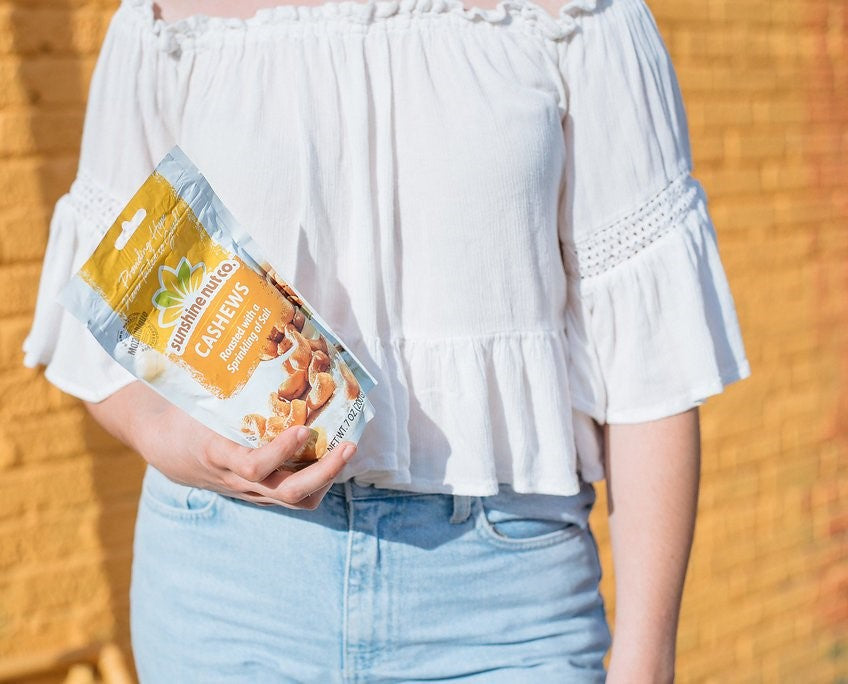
(364, 12)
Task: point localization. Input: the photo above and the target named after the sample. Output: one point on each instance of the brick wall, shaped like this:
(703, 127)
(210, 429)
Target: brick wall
(68, 492)
(764, 83)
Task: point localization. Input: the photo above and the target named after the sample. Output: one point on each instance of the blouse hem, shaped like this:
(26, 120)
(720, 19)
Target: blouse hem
(32, 359)
(687, 400)
(463, 488)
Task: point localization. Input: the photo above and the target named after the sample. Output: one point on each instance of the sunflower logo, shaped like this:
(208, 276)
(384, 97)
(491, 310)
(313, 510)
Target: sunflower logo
(177, 286)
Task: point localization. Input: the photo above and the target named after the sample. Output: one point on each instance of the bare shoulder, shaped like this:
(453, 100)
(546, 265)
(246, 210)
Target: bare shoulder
(552, 7)
(172, 10)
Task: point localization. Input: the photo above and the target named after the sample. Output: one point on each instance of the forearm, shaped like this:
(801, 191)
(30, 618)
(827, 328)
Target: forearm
(120, 412)
(653, 472)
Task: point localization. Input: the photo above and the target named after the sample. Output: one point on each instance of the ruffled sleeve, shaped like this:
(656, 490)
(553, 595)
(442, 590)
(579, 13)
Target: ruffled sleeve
(651, 320)
(122, 135)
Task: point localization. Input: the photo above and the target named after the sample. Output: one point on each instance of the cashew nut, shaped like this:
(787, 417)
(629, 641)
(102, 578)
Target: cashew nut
(279, 406)
(302, 354)
(322, 389)
(269, 350)
(351, 382)
(294, 385)
(320, 363)
(273, 427)
(320, 442)
(274, 279)
(253, 425)
(318, 344)
(297, 415)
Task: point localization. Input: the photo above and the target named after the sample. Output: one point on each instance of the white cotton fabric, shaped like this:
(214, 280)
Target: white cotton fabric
(494, 208)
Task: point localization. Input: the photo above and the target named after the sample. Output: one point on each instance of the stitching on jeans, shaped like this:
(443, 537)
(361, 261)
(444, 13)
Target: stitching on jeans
(349, 509)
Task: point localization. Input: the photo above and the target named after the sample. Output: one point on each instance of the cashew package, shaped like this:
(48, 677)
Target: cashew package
(181, 296)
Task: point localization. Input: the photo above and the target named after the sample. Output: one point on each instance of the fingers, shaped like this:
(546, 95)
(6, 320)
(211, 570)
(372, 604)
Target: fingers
(311, 502)
(310, 483)
(255, 465)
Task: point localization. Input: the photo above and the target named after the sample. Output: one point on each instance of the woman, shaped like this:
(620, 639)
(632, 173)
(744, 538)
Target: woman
(494, 207)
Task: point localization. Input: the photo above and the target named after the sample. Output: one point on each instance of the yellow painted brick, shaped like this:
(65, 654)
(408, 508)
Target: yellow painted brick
(793, 211)
(13, 91)
(708, 148)
(734, 556)
(695, 80)
(39, 491)
(786, 110)
(23, 221)
(782, 44)
(48, 437)
(56, 80)
(35, 182)
(743, 144)
(44, 80)
(27, 131)
(786, 12)
(18, 282)
(51, 30)
(727, 182)
(69, 485)
(782, 176)
(740, 219)
(25, 392)
(73, 628)
(12, 333)
(758, 80)
(26, 547)
(812, 141)
(683, 10)
(714, 112)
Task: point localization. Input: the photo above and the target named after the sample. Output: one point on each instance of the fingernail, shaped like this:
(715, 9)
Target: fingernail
(303, 433)
(348, 451)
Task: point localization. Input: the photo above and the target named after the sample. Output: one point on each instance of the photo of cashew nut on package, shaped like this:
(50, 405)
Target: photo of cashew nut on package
(179, 294)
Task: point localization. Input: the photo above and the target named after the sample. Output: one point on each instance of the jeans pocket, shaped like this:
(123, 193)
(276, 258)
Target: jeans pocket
(174, 500)
(524, 521)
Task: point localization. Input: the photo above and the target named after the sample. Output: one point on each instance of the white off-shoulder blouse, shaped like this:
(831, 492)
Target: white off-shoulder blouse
(494, 208)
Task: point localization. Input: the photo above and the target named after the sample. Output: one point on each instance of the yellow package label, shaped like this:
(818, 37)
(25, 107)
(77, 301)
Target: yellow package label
(179, 294)
(203, 307)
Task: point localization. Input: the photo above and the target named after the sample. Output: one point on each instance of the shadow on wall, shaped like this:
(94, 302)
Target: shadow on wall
(76, 522)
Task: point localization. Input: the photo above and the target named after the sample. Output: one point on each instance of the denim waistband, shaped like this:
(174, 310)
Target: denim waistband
(352, 491)
(349, 489)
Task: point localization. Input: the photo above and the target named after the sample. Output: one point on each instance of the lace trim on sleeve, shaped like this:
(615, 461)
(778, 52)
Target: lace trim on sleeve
(93, 202)
(630, 234)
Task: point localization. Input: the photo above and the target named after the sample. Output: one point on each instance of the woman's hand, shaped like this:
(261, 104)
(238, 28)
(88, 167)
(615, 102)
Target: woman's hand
(188, 452)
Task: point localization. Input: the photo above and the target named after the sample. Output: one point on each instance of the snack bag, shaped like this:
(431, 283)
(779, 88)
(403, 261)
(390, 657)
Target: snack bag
(181, 296)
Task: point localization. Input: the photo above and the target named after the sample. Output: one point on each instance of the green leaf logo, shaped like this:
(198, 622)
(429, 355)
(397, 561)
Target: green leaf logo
(177, 286)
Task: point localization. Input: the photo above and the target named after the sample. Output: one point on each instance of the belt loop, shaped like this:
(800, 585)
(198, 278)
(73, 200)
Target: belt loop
(461, 508)
(348, 490)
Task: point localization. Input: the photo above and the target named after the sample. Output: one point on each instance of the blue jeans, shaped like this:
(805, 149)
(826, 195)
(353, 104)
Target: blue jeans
(375, 585)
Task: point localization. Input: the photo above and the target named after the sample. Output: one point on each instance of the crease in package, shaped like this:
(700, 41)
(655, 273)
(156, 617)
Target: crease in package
(180, 295)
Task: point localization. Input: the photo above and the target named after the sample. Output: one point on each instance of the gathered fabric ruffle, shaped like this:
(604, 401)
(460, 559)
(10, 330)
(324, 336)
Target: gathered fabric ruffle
(194, 29)
(73, 359)
(651, 318)
(436, 434)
